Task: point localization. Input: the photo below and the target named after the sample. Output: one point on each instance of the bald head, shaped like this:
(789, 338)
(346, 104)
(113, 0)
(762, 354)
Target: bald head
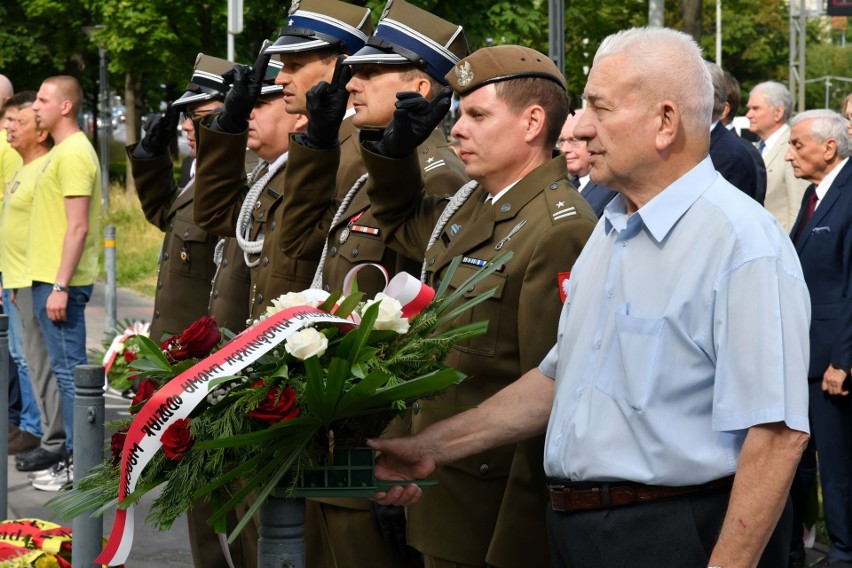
(6, 89)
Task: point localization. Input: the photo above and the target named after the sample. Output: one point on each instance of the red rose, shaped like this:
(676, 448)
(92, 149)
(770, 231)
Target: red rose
(278, 406)
(143, 392)
(116, 444)
(196, 341)
(177, 439)
(129, 356)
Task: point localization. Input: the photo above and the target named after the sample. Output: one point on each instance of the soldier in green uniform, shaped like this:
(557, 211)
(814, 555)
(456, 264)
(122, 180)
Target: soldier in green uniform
(230, 205)
(488, 509)
(188, 259)
(411, 51)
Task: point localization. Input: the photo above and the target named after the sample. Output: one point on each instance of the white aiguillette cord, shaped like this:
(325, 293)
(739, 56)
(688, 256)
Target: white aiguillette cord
(456, 201)
(245, 217)
(317, 281)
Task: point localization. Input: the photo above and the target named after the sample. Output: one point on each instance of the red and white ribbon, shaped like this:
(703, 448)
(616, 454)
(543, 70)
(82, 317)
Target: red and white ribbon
(137, 328)
(413, 294)
(180, 396)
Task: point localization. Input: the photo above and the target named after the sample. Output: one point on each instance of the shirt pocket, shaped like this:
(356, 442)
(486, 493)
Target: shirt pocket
(632, 375)
(490, 310)
(191, 255)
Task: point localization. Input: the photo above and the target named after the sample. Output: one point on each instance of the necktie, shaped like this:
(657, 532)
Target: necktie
(576, 181)
(761, 147)
(809, 212)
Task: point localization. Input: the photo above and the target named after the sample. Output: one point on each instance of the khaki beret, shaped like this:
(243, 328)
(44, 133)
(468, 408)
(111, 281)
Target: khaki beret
(501, 63)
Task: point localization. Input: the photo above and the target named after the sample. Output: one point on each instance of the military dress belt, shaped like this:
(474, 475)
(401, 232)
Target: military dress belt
(567, 496)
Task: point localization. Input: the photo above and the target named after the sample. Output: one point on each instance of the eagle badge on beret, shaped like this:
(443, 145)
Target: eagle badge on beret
(387, 9)
(464, 74)
(294, 6)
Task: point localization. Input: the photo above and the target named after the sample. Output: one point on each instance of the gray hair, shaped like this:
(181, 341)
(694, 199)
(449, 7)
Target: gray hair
(776, 96)
(6, 89)
(670, 65)
(720, 89)
(827, 125)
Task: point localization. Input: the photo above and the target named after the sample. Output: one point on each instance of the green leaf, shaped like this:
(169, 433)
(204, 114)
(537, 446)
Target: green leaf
(151, 352)
(338, 373)
(473, 280)
(328, 305)
(449, 316)
(364, 389)
(410, 390)
(448, 275)
(347, 306)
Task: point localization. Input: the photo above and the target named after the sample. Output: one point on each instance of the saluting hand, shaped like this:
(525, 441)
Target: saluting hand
(413, 121)
(160, 130)
(326, 105)
(246, 84)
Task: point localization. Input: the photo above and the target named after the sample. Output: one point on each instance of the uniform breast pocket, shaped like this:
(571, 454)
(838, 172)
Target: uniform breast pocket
(633, 371)
(190, 255)
(490, 310)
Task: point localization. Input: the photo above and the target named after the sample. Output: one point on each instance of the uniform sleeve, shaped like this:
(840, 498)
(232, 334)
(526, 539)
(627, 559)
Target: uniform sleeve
(761, 318)
(399, 203)
(220, 180)
(841, 353)
(155, 186)
(309, 202)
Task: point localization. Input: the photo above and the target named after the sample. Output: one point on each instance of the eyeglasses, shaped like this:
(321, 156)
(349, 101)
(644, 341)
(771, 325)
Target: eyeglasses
(572, 142)
(195, 115)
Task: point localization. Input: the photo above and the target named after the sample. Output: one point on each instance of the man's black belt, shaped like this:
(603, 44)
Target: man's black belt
(566, 496)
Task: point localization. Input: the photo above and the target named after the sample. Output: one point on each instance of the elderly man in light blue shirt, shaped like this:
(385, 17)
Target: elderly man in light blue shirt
(675, 400)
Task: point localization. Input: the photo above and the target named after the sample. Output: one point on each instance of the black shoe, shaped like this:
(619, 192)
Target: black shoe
(797, 558)
(37, 459)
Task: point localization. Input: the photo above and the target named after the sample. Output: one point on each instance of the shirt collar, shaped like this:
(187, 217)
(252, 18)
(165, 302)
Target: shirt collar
(772, 139)
(826, 182)
(663, 211)
(501, 193)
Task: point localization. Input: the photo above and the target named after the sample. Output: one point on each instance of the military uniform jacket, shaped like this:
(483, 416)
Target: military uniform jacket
(186, 258)
(231, 288)
(355, 238)
(489, 506)
(220, 171)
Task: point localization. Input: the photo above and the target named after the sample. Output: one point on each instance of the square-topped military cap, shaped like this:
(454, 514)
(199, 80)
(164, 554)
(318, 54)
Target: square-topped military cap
(501, 63)
(206, 82)
(409, 35)
(319, 24)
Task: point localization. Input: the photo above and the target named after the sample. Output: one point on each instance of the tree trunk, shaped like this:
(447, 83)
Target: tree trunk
(691, 10)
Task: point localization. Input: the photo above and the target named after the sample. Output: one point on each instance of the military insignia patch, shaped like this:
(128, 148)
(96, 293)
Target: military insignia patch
(464, 74)
(563, 279)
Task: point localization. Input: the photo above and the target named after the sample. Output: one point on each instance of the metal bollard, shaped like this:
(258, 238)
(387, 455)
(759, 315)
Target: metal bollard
(4, 414)
(109, 287)
(281, 543)
(88, 452)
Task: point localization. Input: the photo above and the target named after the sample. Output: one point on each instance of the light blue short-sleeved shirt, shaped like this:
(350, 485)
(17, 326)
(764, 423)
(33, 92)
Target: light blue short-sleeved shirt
(686, 323)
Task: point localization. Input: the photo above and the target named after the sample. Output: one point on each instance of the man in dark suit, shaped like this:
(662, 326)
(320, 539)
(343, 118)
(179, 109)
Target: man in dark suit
(577, 161)
(730, 156)
(819, 152)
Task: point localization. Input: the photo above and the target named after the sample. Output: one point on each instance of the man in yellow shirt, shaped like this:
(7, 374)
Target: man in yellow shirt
(31, 145)
(62, 255)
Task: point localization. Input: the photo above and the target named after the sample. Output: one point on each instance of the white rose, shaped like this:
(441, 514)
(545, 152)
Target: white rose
(306, 343)
(390, 314)
(119, 348)
(312, 298)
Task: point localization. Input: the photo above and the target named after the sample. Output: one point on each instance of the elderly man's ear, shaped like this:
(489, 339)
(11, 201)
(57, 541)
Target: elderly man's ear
(669, 121)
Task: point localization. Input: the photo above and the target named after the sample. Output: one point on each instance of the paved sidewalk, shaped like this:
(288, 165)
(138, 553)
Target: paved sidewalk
(151, 548)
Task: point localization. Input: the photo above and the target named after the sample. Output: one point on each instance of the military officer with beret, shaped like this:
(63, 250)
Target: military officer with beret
(188, 259)
(411, 51)
(318, 31)
(488, 509)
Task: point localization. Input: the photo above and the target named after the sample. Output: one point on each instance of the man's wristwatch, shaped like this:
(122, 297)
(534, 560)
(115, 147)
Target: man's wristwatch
(57, 287)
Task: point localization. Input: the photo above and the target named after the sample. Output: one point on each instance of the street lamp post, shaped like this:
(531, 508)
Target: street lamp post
(105, 113)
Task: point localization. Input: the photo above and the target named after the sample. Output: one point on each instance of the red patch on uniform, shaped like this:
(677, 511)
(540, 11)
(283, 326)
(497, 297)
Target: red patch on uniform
(562, 279)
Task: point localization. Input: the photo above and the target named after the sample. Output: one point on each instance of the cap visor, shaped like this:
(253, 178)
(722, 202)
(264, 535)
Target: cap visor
(295, 44)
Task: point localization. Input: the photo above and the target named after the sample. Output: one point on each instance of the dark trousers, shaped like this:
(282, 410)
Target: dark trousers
(672, 532)
(831, 426)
